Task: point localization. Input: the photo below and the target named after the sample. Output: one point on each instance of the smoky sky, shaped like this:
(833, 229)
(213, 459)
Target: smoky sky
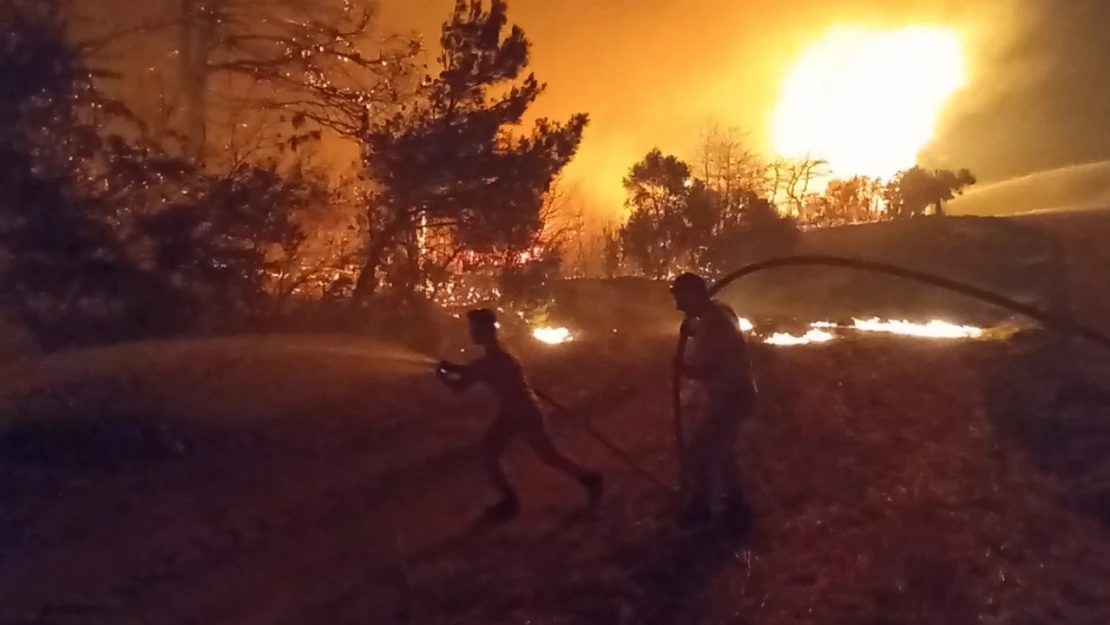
(1046, 101)
(657, 72)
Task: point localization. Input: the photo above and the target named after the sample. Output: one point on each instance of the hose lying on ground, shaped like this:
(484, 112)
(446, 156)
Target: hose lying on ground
(619, 453)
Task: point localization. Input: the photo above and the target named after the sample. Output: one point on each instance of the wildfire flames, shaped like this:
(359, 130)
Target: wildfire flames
(552, 336)
(819, 332)
(813, 336)
(935, 329)
(831, 109)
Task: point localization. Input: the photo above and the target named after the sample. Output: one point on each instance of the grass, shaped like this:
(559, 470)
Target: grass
(884, 496)
(895, 480)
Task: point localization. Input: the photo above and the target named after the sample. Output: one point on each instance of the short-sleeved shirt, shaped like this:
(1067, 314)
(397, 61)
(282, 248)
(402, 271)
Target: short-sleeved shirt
(719, 346)
(502, 373)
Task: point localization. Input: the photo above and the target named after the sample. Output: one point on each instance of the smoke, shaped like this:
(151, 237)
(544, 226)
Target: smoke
(1074, 187)
(1036, 98)
(654, 73)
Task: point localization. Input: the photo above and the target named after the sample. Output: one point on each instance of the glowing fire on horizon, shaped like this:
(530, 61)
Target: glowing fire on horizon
(813, 336)
(552, 336)
(867, 102)
(819, 332)
(935, 329)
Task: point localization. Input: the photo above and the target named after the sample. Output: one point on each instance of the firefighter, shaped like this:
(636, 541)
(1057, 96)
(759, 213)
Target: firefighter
(721, 365)
(519, 416)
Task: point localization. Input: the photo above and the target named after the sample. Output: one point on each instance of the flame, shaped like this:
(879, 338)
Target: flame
(552, 336)
(867, 102)
(935, 329)
(813, 336)
(818, 332)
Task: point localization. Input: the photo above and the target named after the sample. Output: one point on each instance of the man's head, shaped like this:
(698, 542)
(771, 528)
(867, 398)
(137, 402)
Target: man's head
(483, 326)
(691, 294)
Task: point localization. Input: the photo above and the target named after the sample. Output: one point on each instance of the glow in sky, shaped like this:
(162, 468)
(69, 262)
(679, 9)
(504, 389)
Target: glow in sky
(868, 101)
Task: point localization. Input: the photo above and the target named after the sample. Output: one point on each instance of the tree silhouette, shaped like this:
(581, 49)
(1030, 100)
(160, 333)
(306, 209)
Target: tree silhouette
(671, 215)
(454, 158)
(678, 223)
(58, 223)
(916, 190)
(305, 57)
(728, 165)
(103, 239)
(249, 67)
(790, 180)
(612, 253)
(760, 232)
(855, 200)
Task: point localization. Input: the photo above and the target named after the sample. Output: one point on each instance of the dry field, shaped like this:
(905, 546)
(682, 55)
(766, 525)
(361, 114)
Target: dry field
(324, 481)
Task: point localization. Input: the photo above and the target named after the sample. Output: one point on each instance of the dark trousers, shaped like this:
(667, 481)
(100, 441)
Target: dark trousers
(712, 450)
(532, 430)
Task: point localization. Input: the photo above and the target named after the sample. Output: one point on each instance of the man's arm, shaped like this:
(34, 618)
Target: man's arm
(698, 371)
(705, 357)
(456, 377)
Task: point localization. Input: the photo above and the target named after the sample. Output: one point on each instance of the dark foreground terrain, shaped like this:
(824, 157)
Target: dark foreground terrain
(896, 481)
(304, 480)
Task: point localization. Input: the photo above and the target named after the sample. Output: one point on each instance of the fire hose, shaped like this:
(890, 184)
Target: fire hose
(1050, 320)
(1054, 321)
(617, 452)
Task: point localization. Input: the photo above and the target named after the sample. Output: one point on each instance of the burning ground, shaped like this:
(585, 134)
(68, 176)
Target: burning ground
(897, 479)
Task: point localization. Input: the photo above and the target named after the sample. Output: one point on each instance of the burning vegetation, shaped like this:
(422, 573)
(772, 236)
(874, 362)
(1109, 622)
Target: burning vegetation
(123, 218)
(819, 331)
(552, 336)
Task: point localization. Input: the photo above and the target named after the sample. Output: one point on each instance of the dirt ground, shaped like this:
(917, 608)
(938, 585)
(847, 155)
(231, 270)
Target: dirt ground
(326, 481)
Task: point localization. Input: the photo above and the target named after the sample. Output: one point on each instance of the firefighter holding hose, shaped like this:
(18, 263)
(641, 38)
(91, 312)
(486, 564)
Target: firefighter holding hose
(518, 417)
(721, 365)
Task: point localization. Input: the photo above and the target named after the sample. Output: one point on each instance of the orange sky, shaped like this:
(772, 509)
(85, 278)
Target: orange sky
(656, 72)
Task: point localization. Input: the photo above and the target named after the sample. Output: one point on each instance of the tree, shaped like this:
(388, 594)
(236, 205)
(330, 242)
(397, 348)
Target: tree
(671, 215)
(728, 165)
(916, 190)
(612, 256)
(224, 244)
(454, 159)
(947, 185)
(678, 222)
(307, 63)
(310, 57)
(790, 180)
(102, 239)
(855, 200)
(732, 173)
(59, 225)
(760, 232)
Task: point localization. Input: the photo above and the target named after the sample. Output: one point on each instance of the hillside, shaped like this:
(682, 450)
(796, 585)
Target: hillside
(1013, 257)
